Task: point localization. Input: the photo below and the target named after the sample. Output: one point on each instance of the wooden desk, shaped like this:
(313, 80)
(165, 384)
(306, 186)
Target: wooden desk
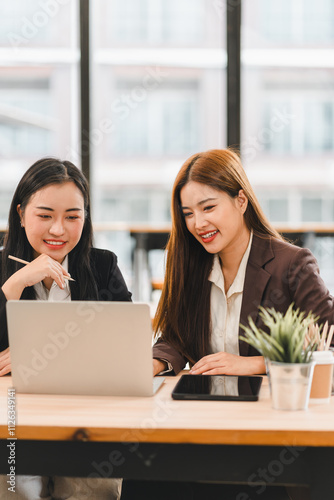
(158, 438)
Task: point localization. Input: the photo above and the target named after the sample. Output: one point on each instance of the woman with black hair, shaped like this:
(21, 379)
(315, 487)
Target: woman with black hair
(50, 227)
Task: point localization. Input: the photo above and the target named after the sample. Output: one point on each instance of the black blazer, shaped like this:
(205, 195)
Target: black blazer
(109, 280)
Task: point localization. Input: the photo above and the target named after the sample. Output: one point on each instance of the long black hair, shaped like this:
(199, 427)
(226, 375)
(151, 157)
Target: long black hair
(46, 172)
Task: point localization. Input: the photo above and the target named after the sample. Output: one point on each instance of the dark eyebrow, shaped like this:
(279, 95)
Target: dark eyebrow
(68, 210)
(201, 202)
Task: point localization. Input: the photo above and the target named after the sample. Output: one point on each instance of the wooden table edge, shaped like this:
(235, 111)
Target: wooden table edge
(175, 436)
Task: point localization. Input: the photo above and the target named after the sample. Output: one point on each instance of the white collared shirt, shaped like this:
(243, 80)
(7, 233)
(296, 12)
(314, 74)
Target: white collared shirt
(225, 309)
(55, 293)
(225, 312)
(225, 317)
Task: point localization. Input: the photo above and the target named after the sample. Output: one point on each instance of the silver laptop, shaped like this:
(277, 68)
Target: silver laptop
(90, 348)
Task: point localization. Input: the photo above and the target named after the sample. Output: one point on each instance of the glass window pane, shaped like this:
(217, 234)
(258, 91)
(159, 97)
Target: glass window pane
(318, 21)
(278, 210)
(152, 122)
(182, 24)
(158, 96)
(297, 22)
(311, 209)
(319, 128)
(36, 23)
(152, 22)
(288, 104)
(275, 19)
(39, 87)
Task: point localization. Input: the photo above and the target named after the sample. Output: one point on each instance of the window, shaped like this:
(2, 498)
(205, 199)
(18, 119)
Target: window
(156, 122)
(152, 22)
(319, 126)
(298, 22)
(158, 95)
(278, 209)
(158, 85)
(288, 107)
(39, 93)
(311, 209)
(37, 23)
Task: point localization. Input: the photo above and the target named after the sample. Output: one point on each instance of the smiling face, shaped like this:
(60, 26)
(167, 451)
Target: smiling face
(214, 218)
(53, 219)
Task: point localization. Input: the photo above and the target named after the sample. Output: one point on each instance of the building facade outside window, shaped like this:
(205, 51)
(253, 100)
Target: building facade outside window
(158, 95)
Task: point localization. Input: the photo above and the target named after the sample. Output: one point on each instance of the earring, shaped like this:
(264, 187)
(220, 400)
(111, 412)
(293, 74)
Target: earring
(21, 223)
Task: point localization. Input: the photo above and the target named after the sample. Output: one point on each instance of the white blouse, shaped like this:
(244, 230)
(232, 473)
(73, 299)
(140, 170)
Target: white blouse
(225, 309)
(225, 318)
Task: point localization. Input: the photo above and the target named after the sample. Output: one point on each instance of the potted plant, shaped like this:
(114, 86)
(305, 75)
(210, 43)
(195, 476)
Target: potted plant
(287, 354)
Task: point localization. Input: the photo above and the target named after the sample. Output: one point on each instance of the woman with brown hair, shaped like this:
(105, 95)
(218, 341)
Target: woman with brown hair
(224, 260)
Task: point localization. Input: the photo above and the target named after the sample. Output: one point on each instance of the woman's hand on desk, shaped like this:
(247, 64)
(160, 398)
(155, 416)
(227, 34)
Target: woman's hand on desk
(223, 363)
(5, 364)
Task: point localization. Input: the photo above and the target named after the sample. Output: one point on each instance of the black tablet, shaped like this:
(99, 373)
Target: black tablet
(218, 387)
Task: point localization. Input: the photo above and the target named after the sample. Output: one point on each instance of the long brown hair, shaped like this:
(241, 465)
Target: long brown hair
(183, 313)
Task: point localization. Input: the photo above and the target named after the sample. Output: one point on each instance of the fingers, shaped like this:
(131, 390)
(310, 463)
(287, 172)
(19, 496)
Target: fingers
(4, 356)
(206, 367)
(47, 267)
(60, 272)
(5, 363)
(59, 279)
(215, 371)
(204, 362)
(6, 369)
(220, 363)
(63, 271)
(197, 370)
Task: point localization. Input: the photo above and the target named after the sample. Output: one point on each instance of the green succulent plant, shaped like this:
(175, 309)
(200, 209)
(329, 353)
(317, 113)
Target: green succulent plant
(286, 341)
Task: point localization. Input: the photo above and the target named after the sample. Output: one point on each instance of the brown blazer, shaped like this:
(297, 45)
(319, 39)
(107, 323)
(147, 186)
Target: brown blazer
(277, 274)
